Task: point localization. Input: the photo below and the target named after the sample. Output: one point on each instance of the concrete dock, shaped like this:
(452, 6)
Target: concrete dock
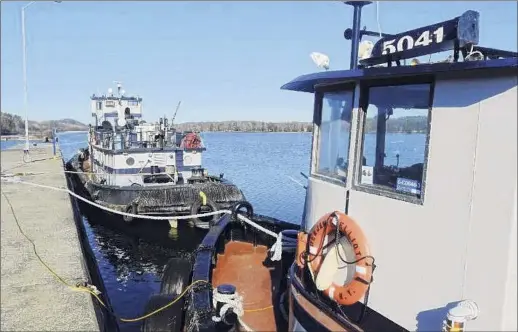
(32, 299)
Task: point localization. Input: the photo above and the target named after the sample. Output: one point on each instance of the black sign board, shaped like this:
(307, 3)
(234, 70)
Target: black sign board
(444, 36)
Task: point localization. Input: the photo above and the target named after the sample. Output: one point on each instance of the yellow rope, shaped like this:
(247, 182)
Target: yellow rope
(88, 290)
(260, 309)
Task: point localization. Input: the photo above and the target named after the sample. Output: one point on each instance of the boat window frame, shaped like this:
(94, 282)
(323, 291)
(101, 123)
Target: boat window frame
(320, 91)
(365, 85)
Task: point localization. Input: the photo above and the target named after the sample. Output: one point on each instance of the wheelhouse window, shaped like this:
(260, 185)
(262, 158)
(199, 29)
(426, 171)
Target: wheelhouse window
(99, 105)
(395, 138)
(334, 135)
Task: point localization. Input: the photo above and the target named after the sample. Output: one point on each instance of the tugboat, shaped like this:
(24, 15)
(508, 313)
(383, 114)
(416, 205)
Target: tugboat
(144, 168)
(397, 240)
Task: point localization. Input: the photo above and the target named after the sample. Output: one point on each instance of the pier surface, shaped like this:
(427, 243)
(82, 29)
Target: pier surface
(32, 299)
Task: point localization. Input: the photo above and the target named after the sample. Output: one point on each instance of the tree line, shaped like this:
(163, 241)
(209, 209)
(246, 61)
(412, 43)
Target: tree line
(15, 125)
(246, 126)
(12, 124)
(406, 124)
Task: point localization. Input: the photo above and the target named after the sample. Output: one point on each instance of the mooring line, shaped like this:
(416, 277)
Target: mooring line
(92, 290)
(141, 216)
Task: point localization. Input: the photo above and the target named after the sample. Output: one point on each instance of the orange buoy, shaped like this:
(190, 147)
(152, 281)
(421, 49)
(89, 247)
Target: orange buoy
(357, 286)
(302, 240)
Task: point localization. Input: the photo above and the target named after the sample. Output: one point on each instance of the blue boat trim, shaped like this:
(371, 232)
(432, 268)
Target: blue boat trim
(307, 83)
(179, 158)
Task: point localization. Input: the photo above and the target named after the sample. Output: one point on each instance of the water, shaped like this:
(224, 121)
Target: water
(4, 145)
(261, 164)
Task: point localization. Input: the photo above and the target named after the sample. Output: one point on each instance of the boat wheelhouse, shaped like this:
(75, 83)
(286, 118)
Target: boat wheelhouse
(412, 155)
(122, 143)
(144, 168)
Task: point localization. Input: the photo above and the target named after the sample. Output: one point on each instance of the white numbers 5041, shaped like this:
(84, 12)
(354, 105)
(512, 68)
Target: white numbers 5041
(407, 42)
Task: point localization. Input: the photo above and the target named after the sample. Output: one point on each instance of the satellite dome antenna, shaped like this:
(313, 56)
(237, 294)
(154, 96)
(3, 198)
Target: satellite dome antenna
(355, 38)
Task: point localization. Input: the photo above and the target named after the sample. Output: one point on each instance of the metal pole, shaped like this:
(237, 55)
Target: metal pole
(24, 64)
(355, 40)
(54, 141)
(356, 36)
(25, 106)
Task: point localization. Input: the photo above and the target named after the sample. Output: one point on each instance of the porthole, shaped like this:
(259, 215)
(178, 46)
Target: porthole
(130, 161)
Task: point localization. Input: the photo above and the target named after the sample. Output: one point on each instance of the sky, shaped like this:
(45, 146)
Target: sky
(223, 60)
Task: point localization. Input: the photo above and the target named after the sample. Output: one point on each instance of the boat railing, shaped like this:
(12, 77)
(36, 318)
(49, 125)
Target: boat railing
(128, 140)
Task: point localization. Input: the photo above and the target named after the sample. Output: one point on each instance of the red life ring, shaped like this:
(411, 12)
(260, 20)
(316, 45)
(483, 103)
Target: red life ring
(352, 291)
(191, 141)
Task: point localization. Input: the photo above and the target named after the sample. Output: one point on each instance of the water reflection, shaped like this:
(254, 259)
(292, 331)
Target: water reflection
(131, 255)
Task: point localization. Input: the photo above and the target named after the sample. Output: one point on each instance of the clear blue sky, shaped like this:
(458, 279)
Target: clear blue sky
(224, 60)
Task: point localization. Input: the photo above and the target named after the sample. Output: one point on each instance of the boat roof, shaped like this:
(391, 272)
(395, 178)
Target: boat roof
(309, 82)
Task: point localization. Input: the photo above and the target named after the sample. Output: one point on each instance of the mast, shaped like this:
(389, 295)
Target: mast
(355, 40)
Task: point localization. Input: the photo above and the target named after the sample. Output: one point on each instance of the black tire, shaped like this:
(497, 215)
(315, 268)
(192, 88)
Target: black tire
(167, 320)
(176, 276)
(132, 208)
(240, 205)
(204, 222)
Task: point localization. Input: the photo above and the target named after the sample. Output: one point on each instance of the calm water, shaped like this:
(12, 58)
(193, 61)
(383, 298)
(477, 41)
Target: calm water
(261, 164)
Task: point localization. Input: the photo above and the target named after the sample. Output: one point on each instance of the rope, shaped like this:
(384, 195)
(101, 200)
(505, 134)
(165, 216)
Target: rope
(81, 172)
(276, 249)
(32, 161)
(91, 289)
(81, 288)
(141, 216)
(277, 246)
(230, 301)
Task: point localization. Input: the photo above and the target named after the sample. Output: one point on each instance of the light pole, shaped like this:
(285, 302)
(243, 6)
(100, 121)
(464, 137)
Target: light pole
(25, 100)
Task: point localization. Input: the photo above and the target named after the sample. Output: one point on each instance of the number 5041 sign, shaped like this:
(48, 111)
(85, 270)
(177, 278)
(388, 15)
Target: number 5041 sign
(427, 40)
(407, 42)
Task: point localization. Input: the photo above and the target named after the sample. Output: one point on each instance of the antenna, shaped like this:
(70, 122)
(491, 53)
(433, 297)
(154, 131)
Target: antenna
(119, 86)
(355, 40)
(176, 111)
